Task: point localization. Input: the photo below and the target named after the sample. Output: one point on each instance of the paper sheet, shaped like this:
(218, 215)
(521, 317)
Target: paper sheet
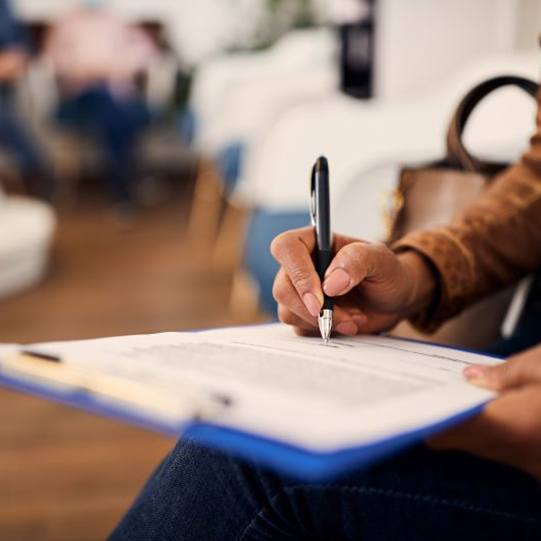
(6, 349)
(348, 393)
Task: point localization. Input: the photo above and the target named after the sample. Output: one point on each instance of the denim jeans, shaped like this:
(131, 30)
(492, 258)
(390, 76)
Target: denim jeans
(115, 123)
(34, 169)
(203, 495)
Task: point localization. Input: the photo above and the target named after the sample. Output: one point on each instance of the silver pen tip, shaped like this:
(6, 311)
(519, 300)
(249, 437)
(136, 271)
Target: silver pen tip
(325, 324)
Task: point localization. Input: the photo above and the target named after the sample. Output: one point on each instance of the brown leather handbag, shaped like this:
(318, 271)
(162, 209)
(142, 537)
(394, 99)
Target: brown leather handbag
(435, 194)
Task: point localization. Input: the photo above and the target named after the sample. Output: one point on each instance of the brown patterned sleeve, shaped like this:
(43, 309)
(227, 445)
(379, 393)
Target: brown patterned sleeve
(493, 244)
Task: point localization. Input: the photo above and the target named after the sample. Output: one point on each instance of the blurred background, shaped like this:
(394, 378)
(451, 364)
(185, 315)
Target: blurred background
(151, 149)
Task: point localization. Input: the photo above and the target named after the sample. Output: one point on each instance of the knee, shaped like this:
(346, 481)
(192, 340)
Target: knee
(195, 465)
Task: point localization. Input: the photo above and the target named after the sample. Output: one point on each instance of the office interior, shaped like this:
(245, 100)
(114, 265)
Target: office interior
(141, 186)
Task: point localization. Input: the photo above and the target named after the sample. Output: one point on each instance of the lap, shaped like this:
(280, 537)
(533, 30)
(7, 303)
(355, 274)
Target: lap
(198, 493)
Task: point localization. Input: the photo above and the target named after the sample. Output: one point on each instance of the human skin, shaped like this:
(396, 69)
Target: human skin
(509, 428)
(374, 288)
(13, 63)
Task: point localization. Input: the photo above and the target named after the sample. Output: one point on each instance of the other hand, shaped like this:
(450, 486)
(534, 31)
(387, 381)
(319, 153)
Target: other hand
(509, 428)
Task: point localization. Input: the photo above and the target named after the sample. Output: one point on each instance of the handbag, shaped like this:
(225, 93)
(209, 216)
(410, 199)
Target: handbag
(435, 194)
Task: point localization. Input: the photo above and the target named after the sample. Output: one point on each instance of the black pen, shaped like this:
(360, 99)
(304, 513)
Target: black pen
(320, 213)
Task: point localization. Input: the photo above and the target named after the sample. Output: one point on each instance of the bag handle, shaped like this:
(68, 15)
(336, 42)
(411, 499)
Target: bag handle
(457, 154)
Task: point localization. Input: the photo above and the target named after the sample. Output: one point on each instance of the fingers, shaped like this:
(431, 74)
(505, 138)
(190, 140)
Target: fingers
(293, 250)
(298, 288)
(354, 263)
(292, 311)
(376, 323)
(288, 299)
(346, 326)
(523, 369)
(285, 315)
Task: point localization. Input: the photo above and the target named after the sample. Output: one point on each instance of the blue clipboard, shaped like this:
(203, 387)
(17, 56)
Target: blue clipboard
(297, 462)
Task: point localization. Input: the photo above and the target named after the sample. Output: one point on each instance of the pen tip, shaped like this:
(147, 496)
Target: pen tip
(325, 324)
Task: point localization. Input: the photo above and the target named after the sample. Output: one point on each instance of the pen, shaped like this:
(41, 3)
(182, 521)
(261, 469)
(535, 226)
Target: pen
(321, 220)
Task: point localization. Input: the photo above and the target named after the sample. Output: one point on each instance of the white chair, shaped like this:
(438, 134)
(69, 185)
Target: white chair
(356, 136)
(232, 95)
(256, 103)
(235, 95)
(26, 230)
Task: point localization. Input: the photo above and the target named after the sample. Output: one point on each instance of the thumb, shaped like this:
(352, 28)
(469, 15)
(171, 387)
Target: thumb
(354, 263)
(523, 369)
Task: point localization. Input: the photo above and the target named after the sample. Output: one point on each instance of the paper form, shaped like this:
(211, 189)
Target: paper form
(5, 349)
(351, 392)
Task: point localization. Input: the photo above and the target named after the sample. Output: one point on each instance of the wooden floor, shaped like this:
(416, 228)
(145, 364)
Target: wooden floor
(66, 475)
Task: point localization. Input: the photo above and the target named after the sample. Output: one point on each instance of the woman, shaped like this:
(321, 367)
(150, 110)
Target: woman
(14, 137)
(97, 58)
(480, 480)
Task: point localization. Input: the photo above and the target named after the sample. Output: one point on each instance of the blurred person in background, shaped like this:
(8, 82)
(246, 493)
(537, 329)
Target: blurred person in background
(97, 58)
(14, 137)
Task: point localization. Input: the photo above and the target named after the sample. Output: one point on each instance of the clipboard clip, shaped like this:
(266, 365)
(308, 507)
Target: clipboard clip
(188, 401)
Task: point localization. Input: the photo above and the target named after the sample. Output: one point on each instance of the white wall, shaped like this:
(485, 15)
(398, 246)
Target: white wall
(419, 42)
(528, 27)
(48, 8)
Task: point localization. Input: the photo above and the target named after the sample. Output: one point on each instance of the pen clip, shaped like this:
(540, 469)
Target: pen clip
(313, 205)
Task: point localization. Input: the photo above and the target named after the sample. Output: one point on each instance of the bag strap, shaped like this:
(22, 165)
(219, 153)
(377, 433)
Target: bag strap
(457, 154)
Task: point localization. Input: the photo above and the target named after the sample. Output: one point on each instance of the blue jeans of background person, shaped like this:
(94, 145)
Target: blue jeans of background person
(203, 495)
(33, 168)
(115, 123)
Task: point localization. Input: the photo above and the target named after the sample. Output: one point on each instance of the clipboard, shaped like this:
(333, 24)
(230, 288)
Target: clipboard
(199, 419)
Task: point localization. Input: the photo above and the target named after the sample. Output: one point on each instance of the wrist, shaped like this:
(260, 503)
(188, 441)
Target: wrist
(421, 279)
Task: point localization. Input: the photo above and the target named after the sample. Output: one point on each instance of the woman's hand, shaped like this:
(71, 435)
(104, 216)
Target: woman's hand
(373, 287)
(509, 429)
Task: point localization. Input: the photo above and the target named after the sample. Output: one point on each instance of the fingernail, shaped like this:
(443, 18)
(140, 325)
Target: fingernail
(312, 304)
(347, 327)
(336, 282)
(475, 374)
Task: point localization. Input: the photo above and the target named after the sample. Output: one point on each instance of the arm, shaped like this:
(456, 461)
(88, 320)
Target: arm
(13, 64)
(14, 45)
(495, 242)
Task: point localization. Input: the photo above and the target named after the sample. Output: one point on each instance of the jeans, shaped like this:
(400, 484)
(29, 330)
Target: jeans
(115, 123)
(33, 168)
(200, 494)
